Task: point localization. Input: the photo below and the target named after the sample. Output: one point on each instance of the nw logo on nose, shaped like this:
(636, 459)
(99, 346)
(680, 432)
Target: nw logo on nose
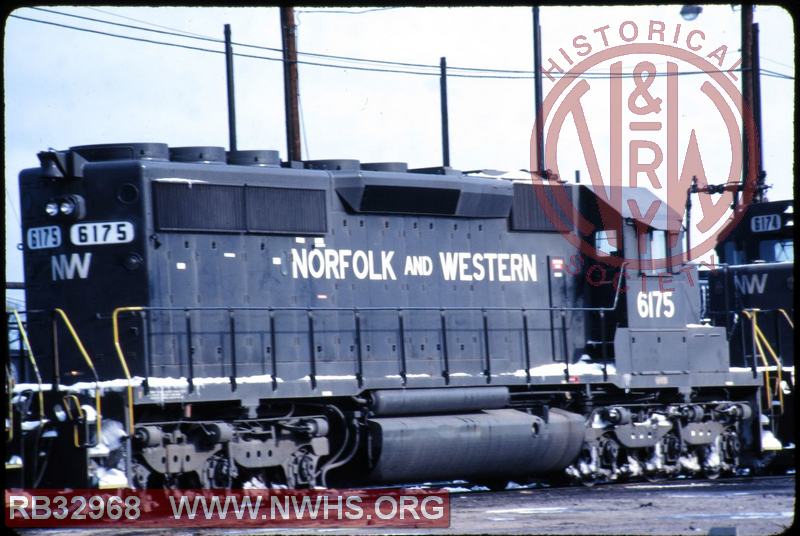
(65, 268)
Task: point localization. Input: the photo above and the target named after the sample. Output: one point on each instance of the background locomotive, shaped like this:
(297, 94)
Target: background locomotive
(751, 293)
(209, 319)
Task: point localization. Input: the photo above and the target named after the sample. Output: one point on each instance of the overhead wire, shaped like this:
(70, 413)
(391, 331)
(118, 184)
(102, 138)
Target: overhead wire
(188, 35)
(10, 201)
(514, 75)
(524, 74)
(153, 24)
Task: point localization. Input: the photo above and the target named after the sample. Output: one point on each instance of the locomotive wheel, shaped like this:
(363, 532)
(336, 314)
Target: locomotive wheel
(219, 472)
(711, 472)
(609, 453)
(670, 449)
(141, 476)
(301, 471)
(731, 449)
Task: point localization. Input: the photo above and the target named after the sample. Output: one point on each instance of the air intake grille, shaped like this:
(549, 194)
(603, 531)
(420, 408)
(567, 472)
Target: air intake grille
(224, 208)
(529, 214)
(285, 210)
(199, 207)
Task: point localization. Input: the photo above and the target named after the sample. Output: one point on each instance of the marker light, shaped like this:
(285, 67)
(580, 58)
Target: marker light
(51, 209)
(67, 208)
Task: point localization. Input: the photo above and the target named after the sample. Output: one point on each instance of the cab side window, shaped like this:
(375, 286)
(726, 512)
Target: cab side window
(653, 246)
(607, 243)
(733, 253)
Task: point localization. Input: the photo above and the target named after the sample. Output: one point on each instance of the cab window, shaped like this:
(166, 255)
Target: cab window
(653, 246)
(733, 254)
(780, 250)
(606, 242)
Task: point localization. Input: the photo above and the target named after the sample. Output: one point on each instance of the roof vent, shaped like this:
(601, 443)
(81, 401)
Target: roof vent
(333, 165)
(254, 158)
(201, 155)
(397, 167)
(122, 151)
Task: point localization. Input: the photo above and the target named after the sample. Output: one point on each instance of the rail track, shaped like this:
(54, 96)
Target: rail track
(742, 505)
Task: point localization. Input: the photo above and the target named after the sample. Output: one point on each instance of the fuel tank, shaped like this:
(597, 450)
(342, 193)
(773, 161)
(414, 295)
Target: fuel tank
(495, 443)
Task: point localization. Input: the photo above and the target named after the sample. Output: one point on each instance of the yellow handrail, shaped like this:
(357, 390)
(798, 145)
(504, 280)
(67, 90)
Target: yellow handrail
(75, 439)
(778, 365)
(89, 362)
(32, 359)
(788, 318)
(122, 360)
(762, 340)
(752, 314)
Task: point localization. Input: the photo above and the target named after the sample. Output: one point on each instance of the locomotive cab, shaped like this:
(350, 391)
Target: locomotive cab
(659, 336)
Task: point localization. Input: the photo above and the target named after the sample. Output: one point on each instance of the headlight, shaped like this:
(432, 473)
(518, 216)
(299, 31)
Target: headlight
(67, 208)
(71, 206)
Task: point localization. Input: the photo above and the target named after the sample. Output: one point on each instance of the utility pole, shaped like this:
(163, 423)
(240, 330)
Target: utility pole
(752, 144)
(748, 108)
(445, 125)
(537, 78)
(759, 145)
(290, 84)
(231, 96)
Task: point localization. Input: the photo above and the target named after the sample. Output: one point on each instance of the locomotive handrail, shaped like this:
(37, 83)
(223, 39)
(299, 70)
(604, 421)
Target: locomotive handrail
(786, 316)
(79, 415)
(60, 312)
(361, 309)
(612, 307)
(24, 335)
(122, 360)
(758, 339)
(757, 350)
(356, 312)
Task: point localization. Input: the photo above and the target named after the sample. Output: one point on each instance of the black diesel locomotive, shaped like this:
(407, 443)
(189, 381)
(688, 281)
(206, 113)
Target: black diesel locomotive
(197, 318)
(751, 293)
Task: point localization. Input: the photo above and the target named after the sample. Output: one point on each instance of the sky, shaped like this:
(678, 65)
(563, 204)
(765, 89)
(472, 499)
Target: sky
(65, 87)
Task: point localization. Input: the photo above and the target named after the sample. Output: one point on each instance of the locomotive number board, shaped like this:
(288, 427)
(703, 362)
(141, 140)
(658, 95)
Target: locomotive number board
(102, 232)
(44, 237)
